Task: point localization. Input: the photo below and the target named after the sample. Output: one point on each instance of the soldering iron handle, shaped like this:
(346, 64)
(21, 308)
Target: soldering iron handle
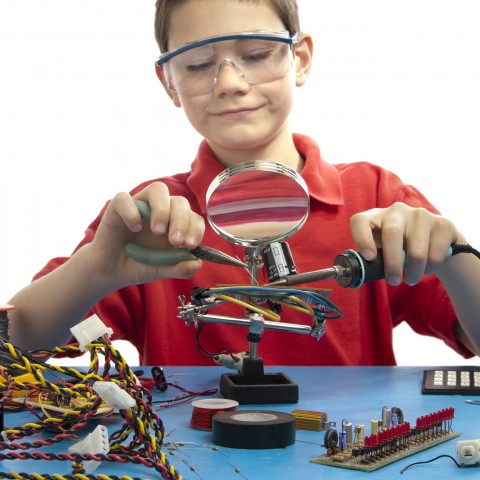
(362, 271)
(359, 270)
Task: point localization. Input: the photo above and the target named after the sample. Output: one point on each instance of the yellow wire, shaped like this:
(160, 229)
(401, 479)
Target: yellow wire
(82, 398)
(250, 306)
(301, 305)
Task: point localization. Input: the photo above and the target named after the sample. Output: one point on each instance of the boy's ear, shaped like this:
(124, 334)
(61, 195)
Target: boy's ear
(161, 77)
(302, 55)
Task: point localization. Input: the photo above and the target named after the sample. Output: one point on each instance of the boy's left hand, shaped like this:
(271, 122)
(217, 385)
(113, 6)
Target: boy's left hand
(424, 236)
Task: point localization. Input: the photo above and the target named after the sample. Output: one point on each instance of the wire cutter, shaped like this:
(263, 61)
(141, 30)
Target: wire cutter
(171, 256)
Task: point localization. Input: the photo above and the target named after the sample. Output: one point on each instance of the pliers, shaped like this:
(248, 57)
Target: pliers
(171, 256)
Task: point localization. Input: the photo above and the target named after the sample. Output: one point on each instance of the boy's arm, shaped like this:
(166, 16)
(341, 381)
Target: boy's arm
(426, 238)
(46, 309)
(461, 277)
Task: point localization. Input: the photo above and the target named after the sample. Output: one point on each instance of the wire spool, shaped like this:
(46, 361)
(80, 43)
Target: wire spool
(205, 409)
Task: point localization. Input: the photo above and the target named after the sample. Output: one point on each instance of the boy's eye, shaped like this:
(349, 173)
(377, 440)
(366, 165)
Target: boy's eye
(200, 67)
(256, 56)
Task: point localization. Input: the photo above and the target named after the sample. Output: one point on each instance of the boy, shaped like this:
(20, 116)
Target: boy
(237, 93)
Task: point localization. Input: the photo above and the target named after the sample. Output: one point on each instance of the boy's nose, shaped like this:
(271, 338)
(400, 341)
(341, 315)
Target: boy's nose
(230, 75)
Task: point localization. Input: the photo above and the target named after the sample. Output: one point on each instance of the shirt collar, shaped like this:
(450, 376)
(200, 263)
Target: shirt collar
(322, 179)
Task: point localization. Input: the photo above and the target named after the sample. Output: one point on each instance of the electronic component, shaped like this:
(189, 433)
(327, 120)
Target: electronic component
(89, 330)
(159, 378)
(457, 380)
(310, 420)
(112, 394)
(386, 445)
(94, 443)
(348, 429)
(278, 260)
(468, 451)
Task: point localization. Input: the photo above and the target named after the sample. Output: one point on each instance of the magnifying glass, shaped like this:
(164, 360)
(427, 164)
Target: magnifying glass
(256, 203)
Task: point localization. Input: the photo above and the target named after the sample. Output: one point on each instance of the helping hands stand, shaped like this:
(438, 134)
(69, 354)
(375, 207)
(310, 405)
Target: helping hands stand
(254, 204)
(253, 385)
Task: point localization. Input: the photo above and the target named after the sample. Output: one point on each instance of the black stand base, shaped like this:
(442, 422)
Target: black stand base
(255, 386)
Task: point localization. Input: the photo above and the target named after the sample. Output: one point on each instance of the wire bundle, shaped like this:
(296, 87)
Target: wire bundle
(268, 301)
(68, 404)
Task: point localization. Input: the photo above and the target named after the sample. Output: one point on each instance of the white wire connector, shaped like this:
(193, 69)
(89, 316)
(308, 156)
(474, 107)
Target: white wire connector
(94, 443)
(89, 330)
(5, 437)
(233, 360)
(112, 394)
(468, 451)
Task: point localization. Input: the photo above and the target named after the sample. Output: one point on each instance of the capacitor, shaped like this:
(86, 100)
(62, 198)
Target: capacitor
(374, 426)
(360, 432)
(278, 260)
(342, 440)
(394, 419)
(386, 417)
(399, 413)
(348, 429)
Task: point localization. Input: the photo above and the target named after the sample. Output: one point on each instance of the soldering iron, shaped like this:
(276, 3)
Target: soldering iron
(351, 270)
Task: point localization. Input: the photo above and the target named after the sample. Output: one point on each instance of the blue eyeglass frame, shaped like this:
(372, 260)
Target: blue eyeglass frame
(283, 37)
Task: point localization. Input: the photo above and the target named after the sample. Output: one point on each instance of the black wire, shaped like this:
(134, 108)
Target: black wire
(459, 465)
(201, 349)
(464, 248)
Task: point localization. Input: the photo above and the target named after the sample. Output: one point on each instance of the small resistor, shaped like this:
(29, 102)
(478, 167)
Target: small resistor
(375, 426)
(360, 434)
(348, 429)
(342, 440)
(386, 417)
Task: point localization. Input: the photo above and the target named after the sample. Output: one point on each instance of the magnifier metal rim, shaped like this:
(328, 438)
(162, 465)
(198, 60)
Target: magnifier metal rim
(256, 166)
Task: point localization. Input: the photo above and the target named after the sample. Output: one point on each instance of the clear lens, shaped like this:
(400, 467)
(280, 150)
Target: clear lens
(195, 69)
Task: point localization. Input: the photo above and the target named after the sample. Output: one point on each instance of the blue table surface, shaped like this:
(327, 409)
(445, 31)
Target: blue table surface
(356, 394)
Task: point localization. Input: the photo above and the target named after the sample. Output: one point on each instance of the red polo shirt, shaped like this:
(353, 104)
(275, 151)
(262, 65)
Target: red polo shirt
(146, 315)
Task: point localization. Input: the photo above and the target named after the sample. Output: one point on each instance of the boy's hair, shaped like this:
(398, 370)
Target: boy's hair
(287, 11)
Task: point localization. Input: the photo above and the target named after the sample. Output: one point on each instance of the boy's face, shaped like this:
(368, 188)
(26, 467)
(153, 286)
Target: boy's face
(234, 115)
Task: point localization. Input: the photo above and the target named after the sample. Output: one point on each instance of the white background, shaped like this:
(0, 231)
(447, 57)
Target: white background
(82, 115)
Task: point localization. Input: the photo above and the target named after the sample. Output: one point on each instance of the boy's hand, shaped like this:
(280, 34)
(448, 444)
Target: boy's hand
(424, 236)
(172, 224)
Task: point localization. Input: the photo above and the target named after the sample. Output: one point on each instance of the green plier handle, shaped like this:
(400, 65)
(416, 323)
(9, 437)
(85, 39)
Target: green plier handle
(171, 256)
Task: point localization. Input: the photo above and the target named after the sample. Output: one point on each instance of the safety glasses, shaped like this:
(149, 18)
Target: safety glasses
(258, 57)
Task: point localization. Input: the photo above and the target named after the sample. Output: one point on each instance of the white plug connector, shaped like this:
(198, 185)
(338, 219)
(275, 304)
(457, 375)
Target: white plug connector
(112, 394)
(233, 360)
(94, 443)
(89, 330)
(468, 451)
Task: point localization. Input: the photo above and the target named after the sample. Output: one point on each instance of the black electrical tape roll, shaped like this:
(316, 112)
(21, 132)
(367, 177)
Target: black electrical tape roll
(253, 429)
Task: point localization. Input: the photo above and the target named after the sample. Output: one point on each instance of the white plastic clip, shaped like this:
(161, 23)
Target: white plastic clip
(94, 443)
(89, 330)
(468, 451)
(112, 394)
(5, 437)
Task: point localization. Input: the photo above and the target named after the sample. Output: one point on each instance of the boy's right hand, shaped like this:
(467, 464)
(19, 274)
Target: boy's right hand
(172, 224)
